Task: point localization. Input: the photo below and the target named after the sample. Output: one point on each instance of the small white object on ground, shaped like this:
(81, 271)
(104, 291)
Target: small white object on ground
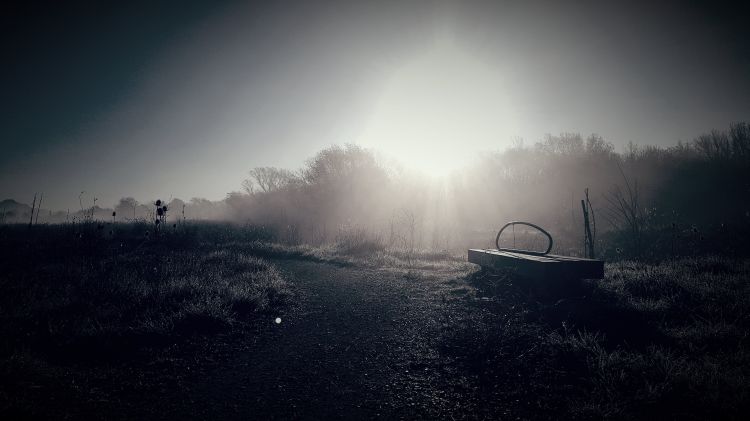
(278, 320)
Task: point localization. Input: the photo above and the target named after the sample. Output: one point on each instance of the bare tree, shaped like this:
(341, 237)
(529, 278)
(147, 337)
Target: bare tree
(403, 231)
(739, 134)
(268, 179)
(625, 212)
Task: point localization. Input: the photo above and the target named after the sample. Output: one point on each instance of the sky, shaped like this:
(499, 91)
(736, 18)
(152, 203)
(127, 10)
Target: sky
(180, 99)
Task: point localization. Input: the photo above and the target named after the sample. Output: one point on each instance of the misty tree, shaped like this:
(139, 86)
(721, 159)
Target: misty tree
(725, 145)
(739, 135)
(238, 204)
(126, 206)
(201, 208)
(178, 207)
(336, 162)
(340, 187)
(200, 201)
(176, 204)
(564, 144)
(268, 179)
(598, 147)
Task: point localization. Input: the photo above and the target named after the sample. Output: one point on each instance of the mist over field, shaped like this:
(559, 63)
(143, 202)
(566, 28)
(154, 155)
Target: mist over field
(675, 192)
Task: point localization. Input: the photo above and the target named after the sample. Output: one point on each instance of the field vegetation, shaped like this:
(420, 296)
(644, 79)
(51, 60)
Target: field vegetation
(145, 294)
(666, 339)
(102, 293)
(663, 338)
(649, 202)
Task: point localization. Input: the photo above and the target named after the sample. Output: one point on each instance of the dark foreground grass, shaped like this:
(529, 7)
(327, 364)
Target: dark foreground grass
(57, 293)
(650, 341)
(104, 295)
(84, 304)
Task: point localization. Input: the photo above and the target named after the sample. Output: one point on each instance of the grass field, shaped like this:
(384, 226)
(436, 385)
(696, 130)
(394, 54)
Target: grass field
(93, 317)
(648, 341)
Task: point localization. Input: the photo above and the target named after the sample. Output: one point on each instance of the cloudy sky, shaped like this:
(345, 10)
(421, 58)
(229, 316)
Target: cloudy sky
(158, 99)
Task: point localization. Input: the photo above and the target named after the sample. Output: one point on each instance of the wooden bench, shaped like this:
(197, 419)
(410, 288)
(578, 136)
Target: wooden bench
(536, 265)
(548, 266)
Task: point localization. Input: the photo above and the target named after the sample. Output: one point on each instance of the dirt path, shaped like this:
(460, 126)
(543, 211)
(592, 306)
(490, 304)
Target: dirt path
(359, 344)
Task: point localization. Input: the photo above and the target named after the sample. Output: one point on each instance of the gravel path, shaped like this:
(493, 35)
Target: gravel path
(359, 344)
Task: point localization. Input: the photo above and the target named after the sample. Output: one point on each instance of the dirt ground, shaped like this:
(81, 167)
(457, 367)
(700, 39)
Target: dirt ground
(357, 343)
(358, 340)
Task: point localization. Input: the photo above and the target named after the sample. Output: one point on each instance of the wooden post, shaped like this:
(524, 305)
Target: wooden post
(33, 205)
(592, 225)
(589, 242)
(36, 220)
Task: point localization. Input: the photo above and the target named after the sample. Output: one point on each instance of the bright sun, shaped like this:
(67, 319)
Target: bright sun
(439, 110)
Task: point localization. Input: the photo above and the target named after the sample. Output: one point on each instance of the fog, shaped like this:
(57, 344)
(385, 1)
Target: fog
(150, 101)
(643, 200)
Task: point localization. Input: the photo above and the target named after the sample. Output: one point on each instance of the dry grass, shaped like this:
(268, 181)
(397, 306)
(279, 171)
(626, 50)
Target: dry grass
(69, 292)
(648, 341)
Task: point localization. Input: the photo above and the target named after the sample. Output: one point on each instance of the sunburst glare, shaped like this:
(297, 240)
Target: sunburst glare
(438, 109)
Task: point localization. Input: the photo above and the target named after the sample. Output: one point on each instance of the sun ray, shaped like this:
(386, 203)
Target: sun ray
(438, 108)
